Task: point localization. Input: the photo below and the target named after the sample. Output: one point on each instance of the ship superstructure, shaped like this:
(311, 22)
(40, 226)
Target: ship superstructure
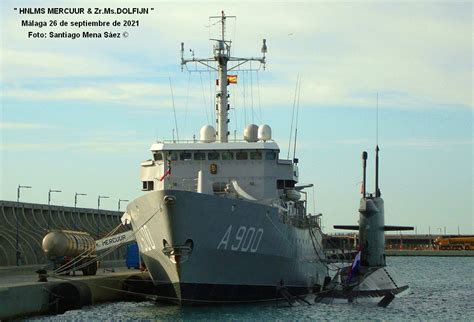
(226, 221)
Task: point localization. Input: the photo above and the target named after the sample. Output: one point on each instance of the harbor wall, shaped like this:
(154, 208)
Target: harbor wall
(33, 221)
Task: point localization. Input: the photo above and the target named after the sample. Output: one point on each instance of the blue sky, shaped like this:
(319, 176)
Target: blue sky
(80, 115)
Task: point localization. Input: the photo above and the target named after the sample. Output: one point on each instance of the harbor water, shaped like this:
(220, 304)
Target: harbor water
(441, 288)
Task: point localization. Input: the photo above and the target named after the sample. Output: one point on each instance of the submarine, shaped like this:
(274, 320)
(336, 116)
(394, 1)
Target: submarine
(368, 276)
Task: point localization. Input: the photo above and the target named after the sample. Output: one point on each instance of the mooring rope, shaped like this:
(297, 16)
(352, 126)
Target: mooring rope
(171, 298)
(65, 267)
(92, 260)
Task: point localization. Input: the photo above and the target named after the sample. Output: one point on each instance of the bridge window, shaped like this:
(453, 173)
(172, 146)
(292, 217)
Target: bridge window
(158, 156)
(256, 155)
(242, 155)
(173, 156)
(185, 156)
(213, 156)
(270, 155)
(227, 155)
(147, 185)
(199, 156)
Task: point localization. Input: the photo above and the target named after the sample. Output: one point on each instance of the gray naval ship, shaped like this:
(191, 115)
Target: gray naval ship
(225, 221)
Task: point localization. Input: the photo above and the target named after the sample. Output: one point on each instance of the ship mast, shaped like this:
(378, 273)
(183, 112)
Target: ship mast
(221, 58)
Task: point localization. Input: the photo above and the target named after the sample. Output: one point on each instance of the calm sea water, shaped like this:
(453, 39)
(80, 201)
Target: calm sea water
(441, 288)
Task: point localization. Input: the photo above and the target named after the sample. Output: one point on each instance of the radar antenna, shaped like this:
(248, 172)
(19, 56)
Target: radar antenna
(222, 57)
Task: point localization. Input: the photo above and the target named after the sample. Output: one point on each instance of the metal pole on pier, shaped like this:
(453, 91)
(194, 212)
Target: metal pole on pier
(75, 206)
(98, 213)
(119, 201)
(17, 224)
(49, 205)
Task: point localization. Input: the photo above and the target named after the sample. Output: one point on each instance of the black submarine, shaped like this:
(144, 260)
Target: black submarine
(368, 276)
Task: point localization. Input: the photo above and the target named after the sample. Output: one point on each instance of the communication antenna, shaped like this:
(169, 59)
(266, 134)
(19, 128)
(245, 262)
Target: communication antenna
(187, 101)
(259, 103)
(377, 190)
(296, 121)
(293, 115)
(377, 122)
(174, 111)
(222, 62)
(204, 98)
(251, 92)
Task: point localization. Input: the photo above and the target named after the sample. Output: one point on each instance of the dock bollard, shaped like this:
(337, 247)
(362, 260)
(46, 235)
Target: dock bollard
(42, 275)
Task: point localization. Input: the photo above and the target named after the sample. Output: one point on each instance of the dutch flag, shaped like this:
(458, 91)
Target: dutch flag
(355, 267)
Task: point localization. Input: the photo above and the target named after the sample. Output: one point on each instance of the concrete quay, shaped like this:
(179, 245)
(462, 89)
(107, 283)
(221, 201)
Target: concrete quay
(22, 295)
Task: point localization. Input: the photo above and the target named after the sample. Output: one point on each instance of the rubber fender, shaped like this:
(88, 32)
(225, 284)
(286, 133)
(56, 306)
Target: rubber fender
(67, 296)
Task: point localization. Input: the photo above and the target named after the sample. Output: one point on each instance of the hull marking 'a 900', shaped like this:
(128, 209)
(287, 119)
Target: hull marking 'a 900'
(245, 239)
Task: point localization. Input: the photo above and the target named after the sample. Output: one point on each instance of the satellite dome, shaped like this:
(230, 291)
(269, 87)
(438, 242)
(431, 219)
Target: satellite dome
(250, 133)
(207, 134)
(264, 132)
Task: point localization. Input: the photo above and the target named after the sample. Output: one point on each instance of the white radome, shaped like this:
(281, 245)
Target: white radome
(207, 134)
(250, 133)
(264, 132)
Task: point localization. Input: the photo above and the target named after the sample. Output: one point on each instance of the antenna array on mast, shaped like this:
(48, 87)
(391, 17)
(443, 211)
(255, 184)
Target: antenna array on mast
(221, 59)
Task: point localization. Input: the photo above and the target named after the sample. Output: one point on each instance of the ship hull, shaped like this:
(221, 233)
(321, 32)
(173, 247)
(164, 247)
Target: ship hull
(203, 248)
